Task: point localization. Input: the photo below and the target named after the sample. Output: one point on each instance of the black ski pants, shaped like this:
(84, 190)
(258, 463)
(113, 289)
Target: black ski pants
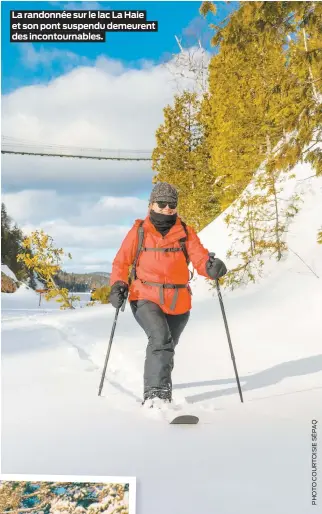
(163, 332)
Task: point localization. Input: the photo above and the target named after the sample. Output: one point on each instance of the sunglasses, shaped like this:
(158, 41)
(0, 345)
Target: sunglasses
(162, 205)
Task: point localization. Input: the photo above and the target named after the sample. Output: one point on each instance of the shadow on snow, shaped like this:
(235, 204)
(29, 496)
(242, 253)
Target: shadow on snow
(258, 380)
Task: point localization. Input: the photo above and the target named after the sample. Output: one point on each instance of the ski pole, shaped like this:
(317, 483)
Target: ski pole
(229, 340)
(109, 347)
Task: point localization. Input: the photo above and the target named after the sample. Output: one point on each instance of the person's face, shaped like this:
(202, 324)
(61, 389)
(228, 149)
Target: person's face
(164, 207)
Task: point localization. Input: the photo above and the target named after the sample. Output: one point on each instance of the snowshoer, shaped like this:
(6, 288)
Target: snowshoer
(158, 288)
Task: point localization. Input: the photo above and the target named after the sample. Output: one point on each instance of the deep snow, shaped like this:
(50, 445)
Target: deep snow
(250, 458)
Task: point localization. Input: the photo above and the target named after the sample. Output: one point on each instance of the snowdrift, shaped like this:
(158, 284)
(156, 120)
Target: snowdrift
(241, 457)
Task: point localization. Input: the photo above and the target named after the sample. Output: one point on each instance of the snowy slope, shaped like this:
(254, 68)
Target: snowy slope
(7, 271)
(244, 458)
(301, 238)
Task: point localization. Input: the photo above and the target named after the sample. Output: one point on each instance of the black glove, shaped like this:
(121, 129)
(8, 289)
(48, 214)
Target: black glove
(215, 267)
(119, 293)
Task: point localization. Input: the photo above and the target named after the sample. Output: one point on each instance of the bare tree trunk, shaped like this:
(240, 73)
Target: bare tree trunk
(253, 231)
(273, 185)
(190, 144)
(250, 235)
(278, 240)
(310, 68)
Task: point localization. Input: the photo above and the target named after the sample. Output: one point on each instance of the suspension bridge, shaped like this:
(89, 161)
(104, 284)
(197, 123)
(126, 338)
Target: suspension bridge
(16, 146)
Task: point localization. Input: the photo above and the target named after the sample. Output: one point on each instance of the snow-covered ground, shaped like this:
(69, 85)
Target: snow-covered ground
(248, 458)
(25, 302)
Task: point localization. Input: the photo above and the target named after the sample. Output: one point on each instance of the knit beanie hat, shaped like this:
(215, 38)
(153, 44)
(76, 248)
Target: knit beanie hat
(164, 192)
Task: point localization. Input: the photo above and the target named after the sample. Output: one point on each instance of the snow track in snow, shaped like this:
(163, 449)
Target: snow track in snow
(240, 457)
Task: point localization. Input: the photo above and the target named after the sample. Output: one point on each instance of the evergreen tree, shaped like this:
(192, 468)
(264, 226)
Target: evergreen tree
(11, 245)
(181, 157)
(304, 57)
(246, 228)
(265, 80)
(263, 106)
(5, 236)
(258, 223)
(248, 86)
(265, 91)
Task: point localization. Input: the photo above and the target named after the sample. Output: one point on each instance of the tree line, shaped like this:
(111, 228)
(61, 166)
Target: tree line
(82, 282)
(259, 115)
(11, 245)
(36, 257)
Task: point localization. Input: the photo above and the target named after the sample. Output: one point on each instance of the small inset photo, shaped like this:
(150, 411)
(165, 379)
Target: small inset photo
(41, 494)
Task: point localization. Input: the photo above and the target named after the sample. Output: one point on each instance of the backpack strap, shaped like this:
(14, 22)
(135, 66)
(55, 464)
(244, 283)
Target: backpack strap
(138, 250)
(182, 243)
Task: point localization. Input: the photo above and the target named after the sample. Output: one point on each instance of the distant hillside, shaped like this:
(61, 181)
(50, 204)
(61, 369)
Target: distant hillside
(82, 282)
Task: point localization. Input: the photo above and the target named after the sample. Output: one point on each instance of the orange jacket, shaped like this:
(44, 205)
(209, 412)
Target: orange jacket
(160, 267)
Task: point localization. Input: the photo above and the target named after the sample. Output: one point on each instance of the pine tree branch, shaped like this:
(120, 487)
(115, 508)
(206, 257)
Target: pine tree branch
(312, 146)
